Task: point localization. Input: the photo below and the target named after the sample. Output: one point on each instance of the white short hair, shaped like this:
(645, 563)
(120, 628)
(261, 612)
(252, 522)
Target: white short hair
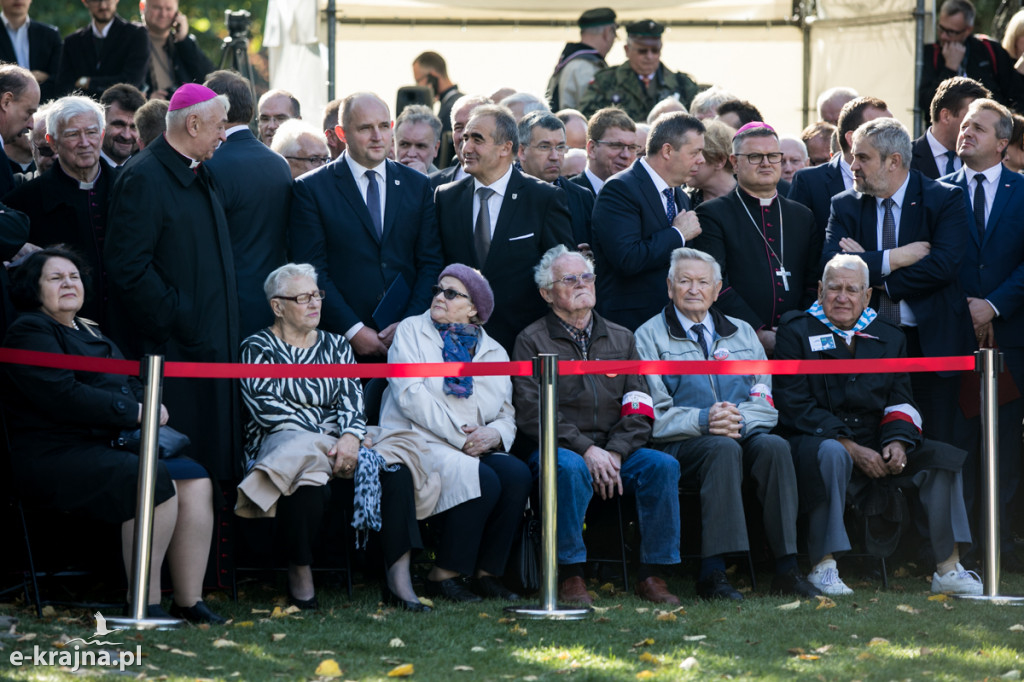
(846, 261)
(176, 119)
(273, 284)
(286, 138)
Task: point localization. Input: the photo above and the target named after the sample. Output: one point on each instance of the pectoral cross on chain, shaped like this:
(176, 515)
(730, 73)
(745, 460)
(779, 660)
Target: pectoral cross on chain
(784, 274)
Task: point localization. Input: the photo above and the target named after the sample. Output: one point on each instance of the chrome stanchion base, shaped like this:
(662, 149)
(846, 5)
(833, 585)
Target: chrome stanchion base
(560, 612)
(128, 623)
(996, 599)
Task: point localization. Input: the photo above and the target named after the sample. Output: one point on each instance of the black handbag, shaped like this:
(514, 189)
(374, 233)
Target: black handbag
(170, 442)
(523, 569)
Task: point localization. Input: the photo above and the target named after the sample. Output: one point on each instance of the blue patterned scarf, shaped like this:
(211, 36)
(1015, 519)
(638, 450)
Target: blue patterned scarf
(366, 502)
(458, 345)
(866, 318)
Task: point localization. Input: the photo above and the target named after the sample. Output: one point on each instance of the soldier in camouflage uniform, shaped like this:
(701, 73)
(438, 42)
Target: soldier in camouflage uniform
(642, 81)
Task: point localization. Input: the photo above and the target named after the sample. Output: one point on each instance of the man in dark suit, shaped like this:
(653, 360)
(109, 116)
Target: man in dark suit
(107, 51)
(611, 148)
(19, 99)
(912, 233)
(992, 274)
(255, 188)
(541, 151)
(767, 246)
(501, 221)
(367, 225)
(815, 187)
(960, 53)
(934, 153)
(641, 216)
(31, 45)
(461, 111)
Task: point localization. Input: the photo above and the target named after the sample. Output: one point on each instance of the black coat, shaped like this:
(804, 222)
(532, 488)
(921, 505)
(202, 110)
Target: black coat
(14, 230)
(814, 188)
(922, 159)
(751, 290)
(533, 218)
(999, 76)
(171, 269)
(255, 189)
(124, 58)
(61, 213)
(189, 62)
(581, 209)
(44, 47)
(61, 423)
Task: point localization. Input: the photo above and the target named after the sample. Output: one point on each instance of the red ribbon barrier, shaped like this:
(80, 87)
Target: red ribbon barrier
(217, 370)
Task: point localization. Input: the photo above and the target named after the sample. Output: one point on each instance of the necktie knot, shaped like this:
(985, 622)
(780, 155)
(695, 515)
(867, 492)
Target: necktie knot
(484, 193)
(373, 202)
(698, 330)
(888, 203)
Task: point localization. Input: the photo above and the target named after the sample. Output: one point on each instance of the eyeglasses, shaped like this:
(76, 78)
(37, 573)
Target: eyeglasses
(314, 160)
(303, 299)
(617, 147)
(449, 294)
(545, 147)
(572, 280)
(951, 32)
(756, 159)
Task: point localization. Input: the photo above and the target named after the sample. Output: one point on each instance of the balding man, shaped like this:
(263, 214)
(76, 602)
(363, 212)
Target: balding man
(367, 225)
(794, 156)
(164, 206)
(832, 101)
(274, 108)
(575, 128)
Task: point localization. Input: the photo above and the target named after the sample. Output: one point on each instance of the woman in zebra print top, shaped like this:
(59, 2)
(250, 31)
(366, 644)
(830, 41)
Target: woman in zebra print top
(304, 431)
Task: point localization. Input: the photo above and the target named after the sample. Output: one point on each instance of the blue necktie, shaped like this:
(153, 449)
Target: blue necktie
(373, 202)
(698, 329)
(979, 205)
(949, 162)
(670, 204)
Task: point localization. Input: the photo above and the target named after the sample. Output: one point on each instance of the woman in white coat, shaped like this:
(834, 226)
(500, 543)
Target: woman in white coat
(469, 424)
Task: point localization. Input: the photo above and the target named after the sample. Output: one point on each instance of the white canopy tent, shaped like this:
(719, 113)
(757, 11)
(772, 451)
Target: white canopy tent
(778, 54)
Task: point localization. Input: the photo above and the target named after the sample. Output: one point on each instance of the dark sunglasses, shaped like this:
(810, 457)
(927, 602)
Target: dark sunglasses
(449, 294)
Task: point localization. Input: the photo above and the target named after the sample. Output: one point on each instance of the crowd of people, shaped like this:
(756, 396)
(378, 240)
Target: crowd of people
(628, 214)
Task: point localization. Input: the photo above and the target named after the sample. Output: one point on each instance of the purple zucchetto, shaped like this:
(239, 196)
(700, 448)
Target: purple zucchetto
(190, 94)
(759, 125)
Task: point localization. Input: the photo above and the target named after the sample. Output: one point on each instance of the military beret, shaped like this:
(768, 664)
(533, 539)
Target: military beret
(645, 28)
(596, 17)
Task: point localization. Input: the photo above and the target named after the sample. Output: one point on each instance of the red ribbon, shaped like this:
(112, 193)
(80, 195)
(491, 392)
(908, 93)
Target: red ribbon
(218, 370)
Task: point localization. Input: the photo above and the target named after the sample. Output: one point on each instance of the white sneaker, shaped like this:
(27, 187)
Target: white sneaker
(826, 578)
(957, 581)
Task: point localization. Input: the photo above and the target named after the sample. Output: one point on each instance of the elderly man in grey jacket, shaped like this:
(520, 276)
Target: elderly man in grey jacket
(718, 426)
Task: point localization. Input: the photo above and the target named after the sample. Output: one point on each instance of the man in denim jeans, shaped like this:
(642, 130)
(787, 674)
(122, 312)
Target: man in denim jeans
(604, 422)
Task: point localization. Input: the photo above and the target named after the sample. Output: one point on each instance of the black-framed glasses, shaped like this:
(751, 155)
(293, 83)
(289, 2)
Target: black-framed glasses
(449, 294)
(573, 280)
(303, 299)
(756, 159)
(951, 32)
(617, 147)
(545, 147)
(315, 160)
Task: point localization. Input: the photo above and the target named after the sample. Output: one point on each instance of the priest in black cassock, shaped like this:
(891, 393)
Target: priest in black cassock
(767, 245)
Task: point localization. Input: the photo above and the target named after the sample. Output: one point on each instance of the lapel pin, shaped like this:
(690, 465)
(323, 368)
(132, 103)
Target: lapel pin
(515, 196)
(398, 182)
(913, 203)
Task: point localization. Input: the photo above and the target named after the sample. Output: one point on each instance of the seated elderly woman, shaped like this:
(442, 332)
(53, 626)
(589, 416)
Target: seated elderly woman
(469, 424)
(62, 423)
(302, 432)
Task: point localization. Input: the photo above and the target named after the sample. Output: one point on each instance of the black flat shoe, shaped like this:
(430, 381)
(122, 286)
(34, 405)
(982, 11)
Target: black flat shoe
(197, 613)
(391, 599)
(794, 583)
(717, 587)
(310, 604)
(490, 587)
(452, 589)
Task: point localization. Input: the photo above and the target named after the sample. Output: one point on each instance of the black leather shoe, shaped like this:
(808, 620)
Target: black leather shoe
(391, 599)
(310, 604)
(490, 587)
(717, 587)
(197, 613)
(793, 582)
(452, 589)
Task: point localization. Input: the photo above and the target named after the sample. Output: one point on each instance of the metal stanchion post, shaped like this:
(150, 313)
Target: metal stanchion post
(152, 376)
(545, 370)
(988, 361)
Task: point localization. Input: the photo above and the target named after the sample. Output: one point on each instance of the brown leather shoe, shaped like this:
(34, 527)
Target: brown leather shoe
(654, 589)
(573, 589)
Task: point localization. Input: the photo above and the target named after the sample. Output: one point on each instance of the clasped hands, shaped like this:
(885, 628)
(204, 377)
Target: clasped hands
(892, 459)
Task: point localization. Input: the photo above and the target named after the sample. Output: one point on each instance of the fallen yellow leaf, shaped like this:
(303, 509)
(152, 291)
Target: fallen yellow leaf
(328, 668)
(427, 602)
(608, 587)
(876, 641)
(518, 630)
(939, 597)
(689, 663)
(506, 620)
(644, 675)
(644, 642)
(666, 617)
(478, 649)
(1017, 628)
(396, 642)
(864, 656)
(694, 638)
(483, 615)
(907, 608)
(278, 612)
(190, 654)
(49, 611)
(648, 657)
(463, 668)
(220, 643)
(403, 670)
(790, 606)
(824, 603)
(277, 636)
(642, 609)
(808, 657)
(244, 624)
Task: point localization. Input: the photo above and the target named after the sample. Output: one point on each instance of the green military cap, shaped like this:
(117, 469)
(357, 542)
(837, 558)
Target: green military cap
(645, 28)
(596, 17)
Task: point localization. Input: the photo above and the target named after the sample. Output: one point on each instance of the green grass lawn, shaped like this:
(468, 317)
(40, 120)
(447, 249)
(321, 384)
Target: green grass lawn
(899, 634)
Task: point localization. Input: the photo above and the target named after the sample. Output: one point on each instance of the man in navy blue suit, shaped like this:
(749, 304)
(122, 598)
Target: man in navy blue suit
(255, 187)
(364, 222)
(815, 187)
(641, 216)
(912, 233)
(992, 274)
(501, 221)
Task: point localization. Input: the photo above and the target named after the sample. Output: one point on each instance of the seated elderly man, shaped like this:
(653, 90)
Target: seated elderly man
(604, 422)
(852, 433)
(718, 426)
(302, 145)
